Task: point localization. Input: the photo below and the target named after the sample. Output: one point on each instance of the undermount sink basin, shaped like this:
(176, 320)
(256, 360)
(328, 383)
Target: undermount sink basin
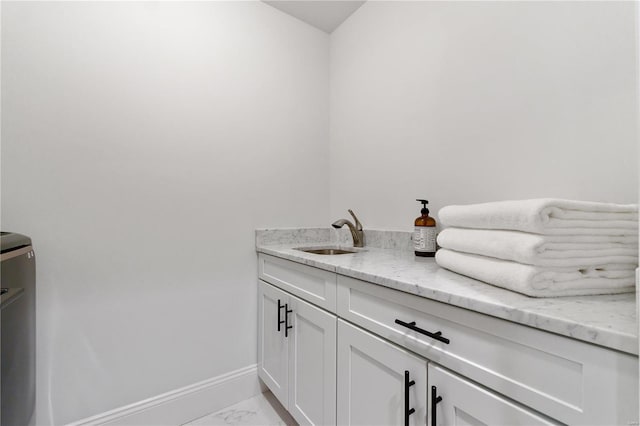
(327, 250)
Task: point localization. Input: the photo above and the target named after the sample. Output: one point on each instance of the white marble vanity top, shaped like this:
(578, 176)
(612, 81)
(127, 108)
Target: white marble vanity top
(608, 321)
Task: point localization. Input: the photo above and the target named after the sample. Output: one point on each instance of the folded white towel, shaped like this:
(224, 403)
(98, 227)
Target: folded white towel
(546, 216)
(542, 250)
(540, 281)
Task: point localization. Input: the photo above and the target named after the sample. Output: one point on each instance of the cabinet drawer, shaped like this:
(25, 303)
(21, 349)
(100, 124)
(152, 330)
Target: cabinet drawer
(311, 284)
(558, 376)
(465, 403)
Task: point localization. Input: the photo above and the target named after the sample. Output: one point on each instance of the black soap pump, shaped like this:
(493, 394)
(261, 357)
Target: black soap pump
(424, 234)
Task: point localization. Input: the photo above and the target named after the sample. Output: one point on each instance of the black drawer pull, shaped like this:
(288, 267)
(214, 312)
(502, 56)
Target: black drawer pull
(434, 401)
(280, 306)
(412, 325)
(287, 311)
(407, 411)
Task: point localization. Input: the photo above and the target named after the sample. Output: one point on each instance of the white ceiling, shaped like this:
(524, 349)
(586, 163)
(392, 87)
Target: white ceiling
(326, 15)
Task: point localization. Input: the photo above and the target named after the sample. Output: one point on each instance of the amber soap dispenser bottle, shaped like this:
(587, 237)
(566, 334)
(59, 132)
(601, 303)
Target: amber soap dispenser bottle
(424, 235)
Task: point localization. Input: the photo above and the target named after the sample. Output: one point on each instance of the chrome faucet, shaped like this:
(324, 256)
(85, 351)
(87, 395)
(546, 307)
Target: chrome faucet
(356, 230)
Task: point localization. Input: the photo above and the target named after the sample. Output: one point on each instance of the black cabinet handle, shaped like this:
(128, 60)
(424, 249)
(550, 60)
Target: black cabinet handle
(407, 411)
(287, 311)
(280, 306)
(434, 401)
(412, 325)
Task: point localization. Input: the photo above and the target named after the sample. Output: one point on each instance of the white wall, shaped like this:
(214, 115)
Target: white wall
(142, 144)
(464, 102)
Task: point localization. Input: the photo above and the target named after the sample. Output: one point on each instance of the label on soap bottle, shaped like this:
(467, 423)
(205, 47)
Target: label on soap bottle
(424, 239)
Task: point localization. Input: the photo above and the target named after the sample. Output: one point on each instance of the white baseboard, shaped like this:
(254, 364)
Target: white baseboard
(183, 405)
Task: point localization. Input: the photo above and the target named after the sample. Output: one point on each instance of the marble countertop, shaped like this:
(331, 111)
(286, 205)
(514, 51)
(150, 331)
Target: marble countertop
(608, 321)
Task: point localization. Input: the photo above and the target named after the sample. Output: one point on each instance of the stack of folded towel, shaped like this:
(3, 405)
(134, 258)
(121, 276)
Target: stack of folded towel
(543, 247)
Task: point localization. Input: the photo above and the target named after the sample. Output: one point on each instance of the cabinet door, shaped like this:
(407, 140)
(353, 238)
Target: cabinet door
(465, 403)
(312, 364)
(272, 345)
(371, 381)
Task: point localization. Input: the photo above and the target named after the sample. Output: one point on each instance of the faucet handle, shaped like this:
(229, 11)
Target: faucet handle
(357, 222)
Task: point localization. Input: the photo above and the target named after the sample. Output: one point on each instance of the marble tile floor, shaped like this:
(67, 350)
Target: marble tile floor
(261, 410)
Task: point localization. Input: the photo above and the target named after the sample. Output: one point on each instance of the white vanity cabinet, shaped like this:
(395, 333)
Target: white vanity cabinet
(570, 381)
(379, 383)
(393, 348)
(297, 355)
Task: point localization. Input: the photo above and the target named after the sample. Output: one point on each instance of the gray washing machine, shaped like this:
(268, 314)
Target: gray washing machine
(18, 329)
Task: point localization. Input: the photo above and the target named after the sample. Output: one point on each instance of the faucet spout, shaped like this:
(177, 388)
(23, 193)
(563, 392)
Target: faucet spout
(356, 230)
